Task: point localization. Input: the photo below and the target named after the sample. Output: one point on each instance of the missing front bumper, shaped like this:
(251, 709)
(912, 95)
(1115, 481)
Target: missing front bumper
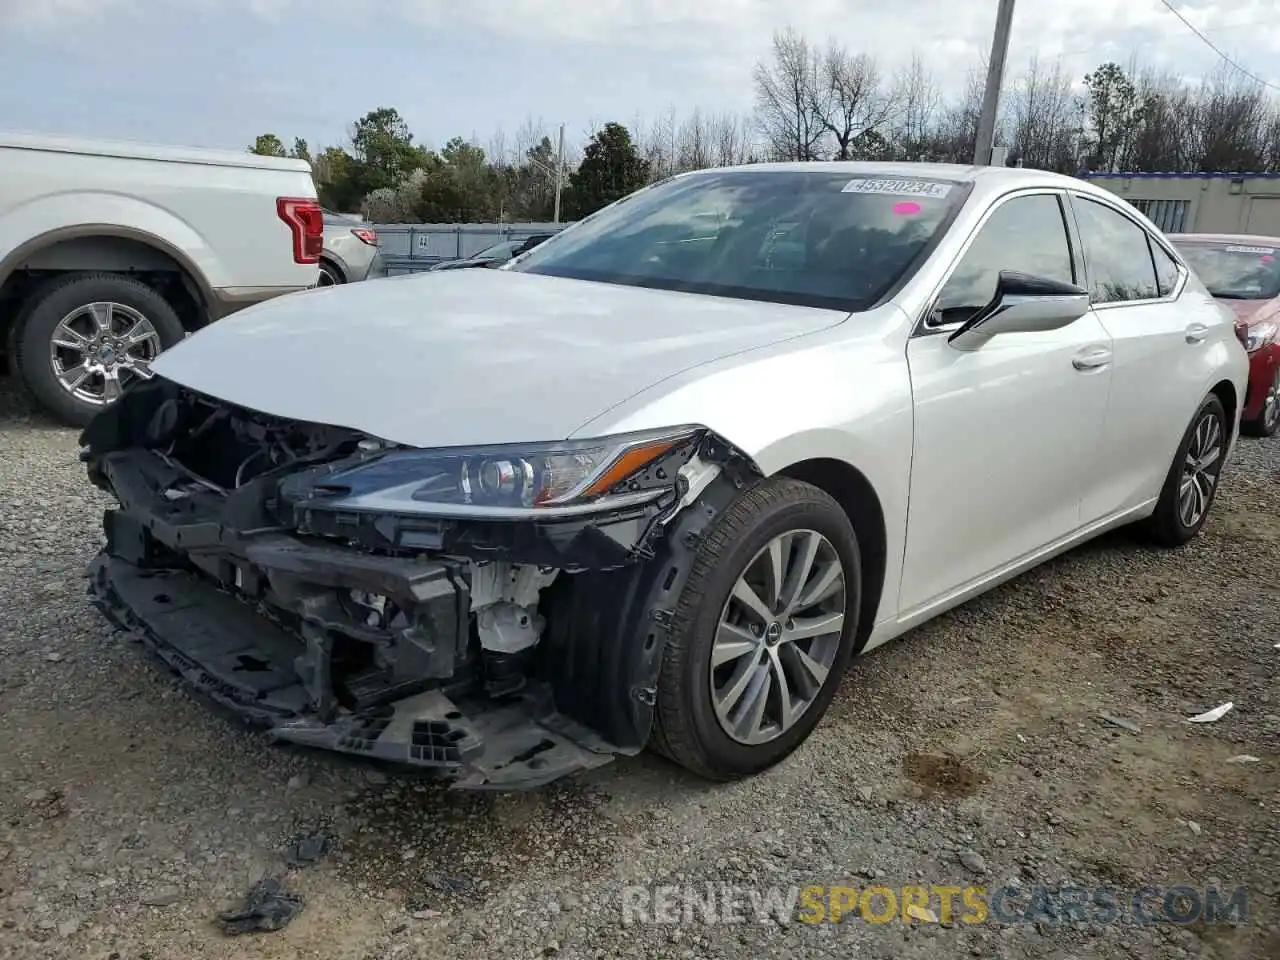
(247, 664)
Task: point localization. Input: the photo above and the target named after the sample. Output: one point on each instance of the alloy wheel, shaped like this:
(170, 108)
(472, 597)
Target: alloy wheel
(97, 348)
(778, 637)
(1200, 470)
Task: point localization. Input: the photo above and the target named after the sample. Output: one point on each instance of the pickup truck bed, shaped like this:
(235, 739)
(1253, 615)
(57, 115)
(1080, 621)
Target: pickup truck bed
(111, 252)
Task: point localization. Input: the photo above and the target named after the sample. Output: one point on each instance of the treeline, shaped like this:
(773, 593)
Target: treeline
(811, 103)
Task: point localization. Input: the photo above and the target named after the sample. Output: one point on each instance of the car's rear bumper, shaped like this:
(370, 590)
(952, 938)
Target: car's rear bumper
(377, 268)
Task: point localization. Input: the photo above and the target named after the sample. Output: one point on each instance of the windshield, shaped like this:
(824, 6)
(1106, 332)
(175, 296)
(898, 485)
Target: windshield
(1234, 271)
(813, 238)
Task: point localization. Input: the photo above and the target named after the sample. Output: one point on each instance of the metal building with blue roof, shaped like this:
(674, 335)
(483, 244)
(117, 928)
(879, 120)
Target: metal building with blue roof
(1219, 202)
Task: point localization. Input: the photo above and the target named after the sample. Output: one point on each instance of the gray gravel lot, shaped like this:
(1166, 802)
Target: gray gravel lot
(971, 751)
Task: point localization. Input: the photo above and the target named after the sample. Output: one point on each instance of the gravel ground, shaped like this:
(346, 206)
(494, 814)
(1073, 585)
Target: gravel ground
(971, 751)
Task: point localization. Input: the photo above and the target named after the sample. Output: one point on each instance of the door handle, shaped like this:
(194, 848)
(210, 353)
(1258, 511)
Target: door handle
(1094, 358)
(1197, 333)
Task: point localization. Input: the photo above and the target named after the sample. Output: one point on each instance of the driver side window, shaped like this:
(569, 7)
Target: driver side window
(1025, 234)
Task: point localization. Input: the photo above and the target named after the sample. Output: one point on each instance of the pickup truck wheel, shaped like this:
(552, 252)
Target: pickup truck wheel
(84, 337)
(761, 632)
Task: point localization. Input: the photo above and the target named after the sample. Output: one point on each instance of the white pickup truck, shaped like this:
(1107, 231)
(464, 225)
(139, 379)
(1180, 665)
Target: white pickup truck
(111, 252)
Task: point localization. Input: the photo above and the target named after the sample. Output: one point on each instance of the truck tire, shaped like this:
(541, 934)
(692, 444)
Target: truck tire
(82, 337)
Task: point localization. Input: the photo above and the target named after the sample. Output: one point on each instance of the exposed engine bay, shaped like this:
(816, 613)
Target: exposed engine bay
(495, 619)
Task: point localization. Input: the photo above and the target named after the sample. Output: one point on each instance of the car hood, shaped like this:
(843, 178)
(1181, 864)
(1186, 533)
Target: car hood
(469, 356)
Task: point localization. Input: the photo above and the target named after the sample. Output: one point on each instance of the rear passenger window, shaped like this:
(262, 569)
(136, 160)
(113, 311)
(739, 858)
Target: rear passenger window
(1166, 269)
(1118, 255)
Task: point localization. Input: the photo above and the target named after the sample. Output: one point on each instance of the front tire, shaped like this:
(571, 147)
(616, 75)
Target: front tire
(83, 337)
(761, 633)
(1192, 483)
(1268, 421)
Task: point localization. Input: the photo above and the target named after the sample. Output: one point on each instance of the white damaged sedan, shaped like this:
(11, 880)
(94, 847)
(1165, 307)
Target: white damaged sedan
(658, 480)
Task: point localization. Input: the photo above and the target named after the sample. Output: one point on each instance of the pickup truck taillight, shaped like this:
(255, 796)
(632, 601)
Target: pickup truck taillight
(366, 235)
(306, 221)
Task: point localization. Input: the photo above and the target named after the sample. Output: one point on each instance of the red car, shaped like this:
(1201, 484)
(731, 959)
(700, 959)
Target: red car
(1243, 273)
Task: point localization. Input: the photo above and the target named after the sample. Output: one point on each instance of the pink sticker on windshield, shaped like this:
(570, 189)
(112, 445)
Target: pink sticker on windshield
(906, 208)
(1267, 259)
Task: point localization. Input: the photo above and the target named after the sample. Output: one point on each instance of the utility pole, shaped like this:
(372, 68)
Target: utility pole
(995, 79)
(559, 172)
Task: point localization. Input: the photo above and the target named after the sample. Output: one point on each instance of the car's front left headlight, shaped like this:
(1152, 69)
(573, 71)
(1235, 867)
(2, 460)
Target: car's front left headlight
(1260, 334)
(541, 479)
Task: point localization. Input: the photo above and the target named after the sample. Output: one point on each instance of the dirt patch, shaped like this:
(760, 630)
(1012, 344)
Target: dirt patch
(941, 774)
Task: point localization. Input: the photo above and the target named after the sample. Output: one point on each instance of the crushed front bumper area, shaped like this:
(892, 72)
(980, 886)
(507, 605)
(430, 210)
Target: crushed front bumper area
(244, 662)
(499, 654)
(259, 619)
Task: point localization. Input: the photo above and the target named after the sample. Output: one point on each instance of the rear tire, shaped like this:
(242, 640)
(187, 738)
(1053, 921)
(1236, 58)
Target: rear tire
(330, 276)
(43, 315)
(689, 728)
(1192, 484)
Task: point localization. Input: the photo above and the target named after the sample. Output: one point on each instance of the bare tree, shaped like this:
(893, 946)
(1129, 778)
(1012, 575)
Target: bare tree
(786, 92)
(1234, 115)
(1161, 133)
(954, 137)
(849, 102)
(917, 97)
(1044, 121)
(693, 151)
(730, 139)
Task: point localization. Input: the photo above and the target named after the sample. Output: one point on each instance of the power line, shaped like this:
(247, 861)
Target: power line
(1214, 47)
(1157, 41)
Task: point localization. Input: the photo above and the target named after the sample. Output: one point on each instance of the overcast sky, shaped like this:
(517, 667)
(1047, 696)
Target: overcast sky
(218, 72)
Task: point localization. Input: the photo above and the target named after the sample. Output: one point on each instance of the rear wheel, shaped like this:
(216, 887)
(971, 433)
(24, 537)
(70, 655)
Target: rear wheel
(329, 276)
(1268, 421)
(83, 338)
(1192, 482)
(761, 633)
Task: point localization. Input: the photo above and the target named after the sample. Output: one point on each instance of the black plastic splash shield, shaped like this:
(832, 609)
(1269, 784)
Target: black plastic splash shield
(244, 662)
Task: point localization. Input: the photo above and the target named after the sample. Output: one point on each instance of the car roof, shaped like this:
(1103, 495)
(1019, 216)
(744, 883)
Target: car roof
(965, 173)
(1224, 238)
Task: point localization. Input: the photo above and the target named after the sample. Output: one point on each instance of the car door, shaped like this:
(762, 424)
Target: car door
(1159, 342)
(1003, 433)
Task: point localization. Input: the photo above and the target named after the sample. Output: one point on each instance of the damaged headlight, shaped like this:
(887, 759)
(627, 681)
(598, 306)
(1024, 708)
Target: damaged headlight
(555, 477)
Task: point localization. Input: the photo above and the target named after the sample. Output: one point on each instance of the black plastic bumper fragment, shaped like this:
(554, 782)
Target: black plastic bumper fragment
(246, 663)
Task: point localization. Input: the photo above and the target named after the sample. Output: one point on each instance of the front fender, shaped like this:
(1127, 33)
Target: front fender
(847, 400)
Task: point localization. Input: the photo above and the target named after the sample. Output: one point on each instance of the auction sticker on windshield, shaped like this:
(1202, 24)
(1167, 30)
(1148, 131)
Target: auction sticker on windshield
(1260, 251)
(899, 188)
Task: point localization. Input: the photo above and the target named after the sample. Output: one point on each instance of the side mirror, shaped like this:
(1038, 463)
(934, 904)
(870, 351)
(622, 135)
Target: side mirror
(1022, 304)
